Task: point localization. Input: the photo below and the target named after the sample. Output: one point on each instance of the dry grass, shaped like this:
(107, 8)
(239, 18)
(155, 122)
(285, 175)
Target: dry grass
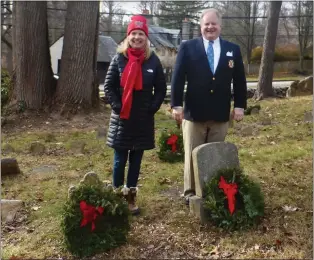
(279, 156)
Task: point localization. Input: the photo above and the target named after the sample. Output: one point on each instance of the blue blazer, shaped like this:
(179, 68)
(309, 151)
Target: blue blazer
(208, 95)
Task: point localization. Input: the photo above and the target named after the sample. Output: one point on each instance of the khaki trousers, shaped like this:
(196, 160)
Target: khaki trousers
(195, 134)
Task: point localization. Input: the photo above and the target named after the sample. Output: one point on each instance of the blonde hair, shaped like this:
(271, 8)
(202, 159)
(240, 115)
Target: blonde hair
(125, 45)
(211, 10)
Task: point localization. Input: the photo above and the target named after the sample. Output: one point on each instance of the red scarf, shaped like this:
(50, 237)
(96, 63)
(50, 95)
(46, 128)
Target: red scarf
(131, 79)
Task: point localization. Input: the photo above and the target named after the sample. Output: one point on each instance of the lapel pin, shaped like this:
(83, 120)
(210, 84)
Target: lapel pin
(231, 64)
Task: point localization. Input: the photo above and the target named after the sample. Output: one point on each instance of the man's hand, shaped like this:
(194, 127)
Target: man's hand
(238, 114)
(177, 114)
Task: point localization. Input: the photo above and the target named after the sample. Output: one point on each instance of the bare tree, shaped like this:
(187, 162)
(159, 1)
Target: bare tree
(264, 88)
(147, 5)
(244, 27)
(34, 77)
(304, 24)
(111, 17)
(77, 81)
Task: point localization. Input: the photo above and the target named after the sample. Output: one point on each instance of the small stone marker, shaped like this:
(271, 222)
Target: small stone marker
(78, 147)
(308, 117)
(89, 179)
(7, 148)
(101, 133)
(37, 148)
(50, 138)
(207, 160)
(9, 208)
(254, 111)
(9, 166)
(247, 131)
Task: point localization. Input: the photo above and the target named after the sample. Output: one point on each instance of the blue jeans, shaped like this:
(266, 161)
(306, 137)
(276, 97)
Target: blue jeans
(119, 162)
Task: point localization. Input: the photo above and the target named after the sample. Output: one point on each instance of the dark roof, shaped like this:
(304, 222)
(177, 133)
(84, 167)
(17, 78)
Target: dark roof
(107, 48)
(160, 36)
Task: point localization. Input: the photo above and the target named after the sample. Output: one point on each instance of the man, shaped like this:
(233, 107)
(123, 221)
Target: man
(209, 64)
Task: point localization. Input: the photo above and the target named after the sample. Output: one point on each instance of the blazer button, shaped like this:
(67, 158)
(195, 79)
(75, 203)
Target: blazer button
(211, 91)
(213, 78)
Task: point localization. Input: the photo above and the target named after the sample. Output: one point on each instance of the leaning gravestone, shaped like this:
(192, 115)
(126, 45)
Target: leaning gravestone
(207, 160)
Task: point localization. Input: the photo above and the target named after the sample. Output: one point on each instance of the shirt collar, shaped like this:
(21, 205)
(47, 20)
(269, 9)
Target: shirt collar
(215, 41)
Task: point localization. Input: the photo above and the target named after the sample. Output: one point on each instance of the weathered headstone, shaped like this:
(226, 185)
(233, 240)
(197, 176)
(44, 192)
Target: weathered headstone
(308, 117)
(78, 147)
(254, 111)
(207, 160)
(7, 148)
(9, 208)
(89, 179)
(50, 138)
(101, 133)
(9, 166)
(44, 169)
(301, 87)
(37, 148)
(247, 130)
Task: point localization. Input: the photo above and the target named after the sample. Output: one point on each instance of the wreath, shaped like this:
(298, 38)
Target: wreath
(232, 201)
(94, 220)
(171, 146)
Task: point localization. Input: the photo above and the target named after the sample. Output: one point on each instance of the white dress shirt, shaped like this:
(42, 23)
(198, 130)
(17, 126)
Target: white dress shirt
(217, 50)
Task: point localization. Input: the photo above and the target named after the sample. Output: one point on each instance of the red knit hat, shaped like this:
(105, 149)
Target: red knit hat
(138, 22)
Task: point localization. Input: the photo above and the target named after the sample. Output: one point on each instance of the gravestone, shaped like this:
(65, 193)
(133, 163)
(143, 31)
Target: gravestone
(89, 179)
(9, 208)
(9, 166)
(308, 117)
(207, 160)
(37, 148)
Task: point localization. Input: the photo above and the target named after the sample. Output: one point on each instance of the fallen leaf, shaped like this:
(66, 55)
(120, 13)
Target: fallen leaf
(36, 208)
(226, 254)
(164, 181)
(150, 247)
(289, 208)
(214, 251)
(256, 247)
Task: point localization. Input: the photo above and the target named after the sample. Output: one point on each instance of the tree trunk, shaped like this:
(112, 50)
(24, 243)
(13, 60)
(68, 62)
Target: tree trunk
(34, 77)
(95, 92)
(264, 88)
(75, 86)
(14, 35)
(301, 61)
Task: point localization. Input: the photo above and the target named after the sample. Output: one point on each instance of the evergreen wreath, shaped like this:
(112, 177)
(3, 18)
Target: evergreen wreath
(171, 146)
(232, 201)
(94, 220)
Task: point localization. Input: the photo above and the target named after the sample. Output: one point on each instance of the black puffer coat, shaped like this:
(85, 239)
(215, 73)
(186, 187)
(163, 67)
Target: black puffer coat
(137, 132)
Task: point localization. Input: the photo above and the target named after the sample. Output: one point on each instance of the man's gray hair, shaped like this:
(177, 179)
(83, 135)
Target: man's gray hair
(211, 10)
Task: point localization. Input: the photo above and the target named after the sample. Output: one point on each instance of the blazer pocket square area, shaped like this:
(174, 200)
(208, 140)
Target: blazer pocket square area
(229, 54)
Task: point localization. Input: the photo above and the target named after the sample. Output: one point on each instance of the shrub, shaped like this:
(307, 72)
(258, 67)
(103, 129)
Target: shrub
(281, 54)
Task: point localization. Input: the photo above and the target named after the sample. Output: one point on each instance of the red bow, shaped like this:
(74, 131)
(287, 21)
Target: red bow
(172, 140)
(90, 213)
(230, 191)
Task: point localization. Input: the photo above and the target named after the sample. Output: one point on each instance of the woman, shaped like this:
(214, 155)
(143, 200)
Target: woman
(135, 87)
